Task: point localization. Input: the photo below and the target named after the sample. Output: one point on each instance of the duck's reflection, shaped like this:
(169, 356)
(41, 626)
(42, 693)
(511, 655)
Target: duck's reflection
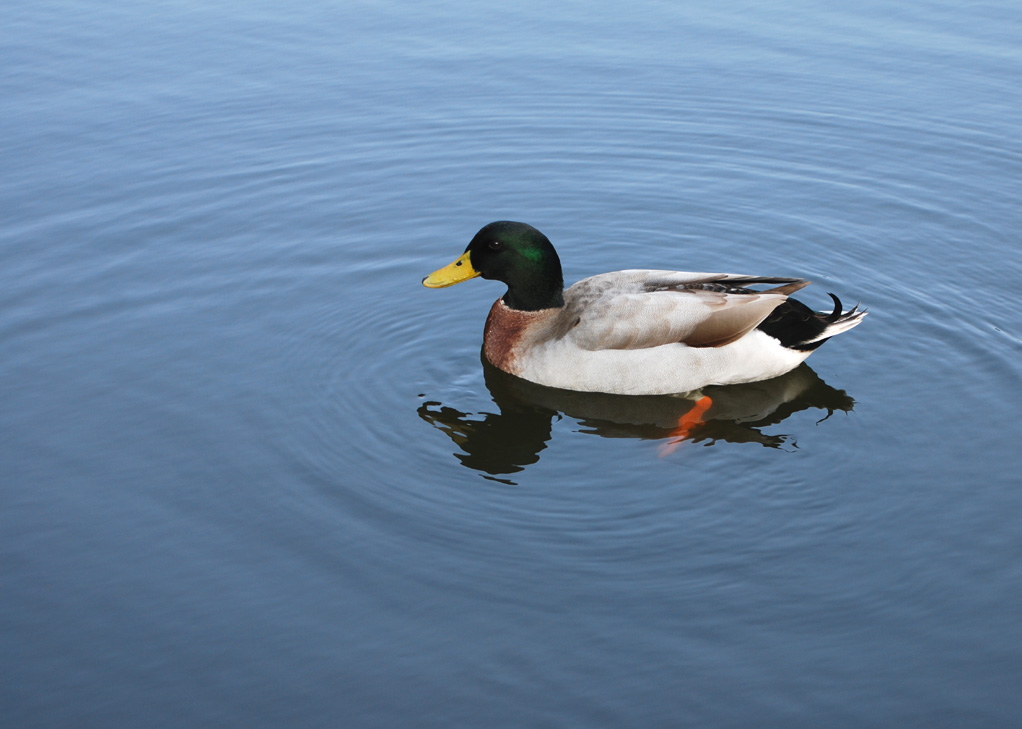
(509, 440)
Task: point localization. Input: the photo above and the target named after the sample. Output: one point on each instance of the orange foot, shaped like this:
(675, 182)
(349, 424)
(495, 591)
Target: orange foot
(686, 424)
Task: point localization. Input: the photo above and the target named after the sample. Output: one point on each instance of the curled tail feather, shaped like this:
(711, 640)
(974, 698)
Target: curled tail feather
(797, 326)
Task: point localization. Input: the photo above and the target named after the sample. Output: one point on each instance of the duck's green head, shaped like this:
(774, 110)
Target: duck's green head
(515, 253)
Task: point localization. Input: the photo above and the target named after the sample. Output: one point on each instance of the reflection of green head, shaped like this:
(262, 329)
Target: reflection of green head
(523, 258)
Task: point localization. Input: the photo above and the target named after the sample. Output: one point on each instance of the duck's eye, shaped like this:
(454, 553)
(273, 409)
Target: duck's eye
(495, 245)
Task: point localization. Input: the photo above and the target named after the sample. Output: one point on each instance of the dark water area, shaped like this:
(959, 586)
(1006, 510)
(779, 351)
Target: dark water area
(252, 473)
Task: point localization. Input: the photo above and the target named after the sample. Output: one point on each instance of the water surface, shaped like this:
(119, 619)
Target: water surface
(253, 474)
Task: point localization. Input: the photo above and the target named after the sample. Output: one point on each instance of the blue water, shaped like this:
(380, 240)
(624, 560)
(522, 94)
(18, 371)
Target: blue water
(253, 474)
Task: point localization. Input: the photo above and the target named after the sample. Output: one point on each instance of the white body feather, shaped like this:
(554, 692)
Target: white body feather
(661, 370)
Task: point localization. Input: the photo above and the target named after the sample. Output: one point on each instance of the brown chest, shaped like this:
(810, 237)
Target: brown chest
(505, 333)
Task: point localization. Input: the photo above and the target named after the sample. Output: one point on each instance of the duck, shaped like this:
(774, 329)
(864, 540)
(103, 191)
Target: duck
(635, 331)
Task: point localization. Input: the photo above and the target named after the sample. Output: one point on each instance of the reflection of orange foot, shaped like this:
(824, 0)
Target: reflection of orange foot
(686, 424)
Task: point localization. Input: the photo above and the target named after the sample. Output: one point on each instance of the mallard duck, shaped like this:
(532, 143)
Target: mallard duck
(635, 332)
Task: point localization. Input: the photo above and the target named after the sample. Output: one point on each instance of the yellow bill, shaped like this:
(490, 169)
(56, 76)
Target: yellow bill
(460, 270)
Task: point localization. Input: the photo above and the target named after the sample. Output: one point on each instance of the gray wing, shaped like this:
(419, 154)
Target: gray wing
(644, 308)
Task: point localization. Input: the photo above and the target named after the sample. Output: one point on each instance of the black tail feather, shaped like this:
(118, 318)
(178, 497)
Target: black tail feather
(836, 314)
(796, 326)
